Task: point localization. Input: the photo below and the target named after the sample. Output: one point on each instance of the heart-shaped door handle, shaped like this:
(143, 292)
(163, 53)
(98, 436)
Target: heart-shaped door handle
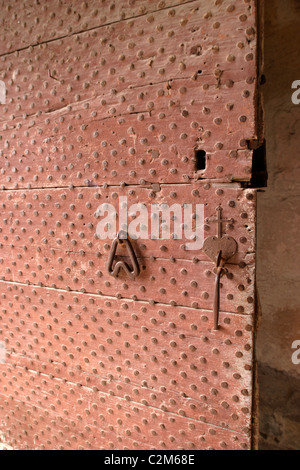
(219, 249)
(214, 245)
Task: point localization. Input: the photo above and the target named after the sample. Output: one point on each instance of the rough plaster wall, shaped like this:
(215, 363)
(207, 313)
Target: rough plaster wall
(279, 230)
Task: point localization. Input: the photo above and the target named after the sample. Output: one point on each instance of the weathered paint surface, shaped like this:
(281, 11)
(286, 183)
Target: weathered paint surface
(106, 101)
(132, 100)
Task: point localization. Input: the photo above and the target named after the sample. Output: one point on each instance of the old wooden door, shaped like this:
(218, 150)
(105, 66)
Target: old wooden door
(144, 102)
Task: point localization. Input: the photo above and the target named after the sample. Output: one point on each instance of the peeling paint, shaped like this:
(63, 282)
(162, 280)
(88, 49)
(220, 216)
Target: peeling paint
(2, 352)
(3, 445)
(2, 92)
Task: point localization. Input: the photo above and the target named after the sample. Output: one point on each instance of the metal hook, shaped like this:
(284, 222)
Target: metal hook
(220, 249)
(114, 271)
(220, 270)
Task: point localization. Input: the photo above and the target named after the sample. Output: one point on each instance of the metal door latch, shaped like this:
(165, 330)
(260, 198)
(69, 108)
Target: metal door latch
(219, 249)
(122, 239)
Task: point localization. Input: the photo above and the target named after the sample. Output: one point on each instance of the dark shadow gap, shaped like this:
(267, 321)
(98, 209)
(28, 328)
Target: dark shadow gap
(200, 160)
(259, 177)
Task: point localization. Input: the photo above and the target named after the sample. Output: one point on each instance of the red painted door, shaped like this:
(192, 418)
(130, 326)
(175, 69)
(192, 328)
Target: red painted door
(127, 106)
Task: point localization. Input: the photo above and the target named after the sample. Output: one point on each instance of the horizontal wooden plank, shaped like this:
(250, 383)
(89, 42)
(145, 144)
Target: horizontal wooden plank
(182, 282)
(95, 144)
(40, 21)
(27, 427)
(49, 238)
(160, 357)
(193, 33)
(68, 220)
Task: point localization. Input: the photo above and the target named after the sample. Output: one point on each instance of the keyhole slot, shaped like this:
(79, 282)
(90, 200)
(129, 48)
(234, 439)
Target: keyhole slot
(200, 160)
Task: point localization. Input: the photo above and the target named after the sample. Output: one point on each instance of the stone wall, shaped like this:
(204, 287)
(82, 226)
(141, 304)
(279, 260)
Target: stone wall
(279, 233)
